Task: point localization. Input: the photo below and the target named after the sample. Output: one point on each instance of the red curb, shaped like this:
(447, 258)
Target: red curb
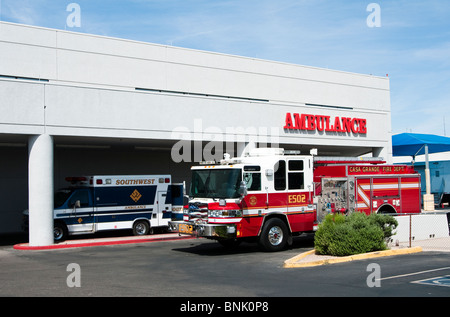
(26, 246)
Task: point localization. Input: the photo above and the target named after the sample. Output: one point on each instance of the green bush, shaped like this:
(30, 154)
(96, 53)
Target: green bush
(356, 233)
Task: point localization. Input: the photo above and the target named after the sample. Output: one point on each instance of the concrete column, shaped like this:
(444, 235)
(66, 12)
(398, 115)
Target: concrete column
(382, 152)
(427, 171)
(40, 190)
(428, 198)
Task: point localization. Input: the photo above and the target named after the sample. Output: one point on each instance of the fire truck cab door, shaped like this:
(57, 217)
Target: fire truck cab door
(299, 184)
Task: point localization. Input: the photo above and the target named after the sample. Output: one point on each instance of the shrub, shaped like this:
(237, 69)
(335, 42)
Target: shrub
(387, 223)
(356, 233)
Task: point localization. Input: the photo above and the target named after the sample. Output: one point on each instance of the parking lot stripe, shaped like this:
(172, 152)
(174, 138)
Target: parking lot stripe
(415, 273)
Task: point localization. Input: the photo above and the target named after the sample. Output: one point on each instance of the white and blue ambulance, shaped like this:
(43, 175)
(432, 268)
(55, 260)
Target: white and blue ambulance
(97, 203)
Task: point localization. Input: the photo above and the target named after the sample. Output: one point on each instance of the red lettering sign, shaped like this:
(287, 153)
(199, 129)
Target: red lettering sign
(325, 123)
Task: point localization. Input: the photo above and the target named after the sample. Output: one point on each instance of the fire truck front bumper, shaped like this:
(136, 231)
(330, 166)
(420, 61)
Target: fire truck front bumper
(206, 230)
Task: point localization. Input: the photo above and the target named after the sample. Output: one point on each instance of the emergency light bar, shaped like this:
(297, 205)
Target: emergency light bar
(291, 152)
(76, 179)
(207, 162)
(104, 180)
(79, 180)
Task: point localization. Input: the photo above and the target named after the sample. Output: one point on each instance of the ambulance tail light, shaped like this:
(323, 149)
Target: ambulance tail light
(100, 181)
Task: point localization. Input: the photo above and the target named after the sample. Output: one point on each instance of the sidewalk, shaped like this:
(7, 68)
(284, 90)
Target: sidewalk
(309, 258)
(78, 243)
(436, 244)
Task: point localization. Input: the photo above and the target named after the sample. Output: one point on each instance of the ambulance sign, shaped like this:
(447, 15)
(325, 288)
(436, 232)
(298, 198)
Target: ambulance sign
(322, 123)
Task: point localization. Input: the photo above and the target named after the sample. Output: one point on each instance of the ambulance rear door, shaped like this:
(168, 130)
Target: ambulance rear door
(163, 207)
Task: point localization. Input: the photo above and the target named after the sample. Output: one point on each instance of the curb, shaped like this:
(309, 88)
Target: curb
(99, 242)
(293, 262)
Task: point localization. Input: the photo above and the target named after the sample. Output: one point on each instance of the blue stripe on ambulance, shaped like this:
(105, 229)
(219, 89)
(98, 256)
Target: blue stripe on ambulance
(145, 213)
(106, 216)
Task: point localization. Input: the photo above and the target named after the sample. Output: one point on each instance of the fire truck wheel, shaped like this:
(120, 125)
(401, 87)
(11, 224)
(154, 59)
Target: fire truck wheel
(59, 231)
(141, 228)
(274, 235)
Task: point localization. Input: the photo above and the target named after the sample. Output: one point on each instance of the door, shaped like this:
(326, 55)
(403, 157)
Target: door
(81, 209)
(163, 207)
(300, 215)
(277, 200)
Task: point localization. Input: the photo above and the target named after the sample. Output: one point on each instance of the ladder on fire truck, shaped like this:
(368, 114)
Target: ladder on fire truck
(347, 160)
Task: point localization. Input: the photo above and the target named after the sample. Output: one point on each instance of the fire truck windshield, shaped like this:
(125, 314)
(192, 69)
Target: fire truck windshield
(216, 183)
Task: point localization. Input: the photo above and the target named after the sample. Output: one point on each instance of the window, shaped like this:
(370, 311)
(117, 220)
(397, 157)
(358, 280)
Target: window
(252, 177)
(61, 197)
(296, 165)
(280, 175)
(296, 175)
(82, 196)
(216, 183)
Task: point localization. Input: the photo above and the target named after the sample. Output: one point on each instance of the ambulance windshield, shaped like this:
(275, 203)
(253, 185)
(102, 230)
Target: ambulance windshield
(61, 196)
(216, 183)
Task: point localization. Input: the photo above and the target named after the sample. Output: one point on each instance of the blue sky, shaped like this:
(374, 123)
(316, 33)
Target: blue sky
(412, 44)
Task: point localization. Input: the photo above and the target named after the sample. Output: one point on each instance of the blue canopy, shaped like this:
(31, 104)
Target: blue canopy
(412, 144)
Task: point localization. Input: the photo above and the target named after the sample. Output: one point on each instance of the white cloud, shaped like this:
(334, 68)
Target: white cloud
(437, 54)
(19, 12)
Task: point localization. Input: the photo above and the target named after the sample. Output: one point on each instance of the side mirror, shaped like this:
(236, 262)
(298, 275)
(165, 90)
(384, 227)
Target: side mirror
(76, 204)
(243, 189)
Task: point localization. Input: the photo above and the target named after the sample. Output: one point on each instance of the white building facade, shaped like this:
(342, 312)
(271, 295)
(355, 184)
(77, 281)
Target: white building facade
(78, 104)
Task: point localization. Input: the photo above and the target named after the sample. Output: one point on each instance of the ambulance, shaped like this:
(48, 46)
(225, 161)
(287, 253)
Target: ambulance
(97, 203)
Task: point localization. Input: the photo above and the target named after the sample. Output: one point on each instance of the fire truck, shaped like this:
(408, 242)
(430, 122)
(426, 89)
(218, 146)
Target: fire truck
(271, 195)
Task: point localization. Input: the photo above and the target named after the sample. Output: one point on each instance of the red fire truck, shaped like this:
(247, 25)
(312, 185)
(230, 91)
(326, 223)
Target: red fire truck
(271, 195)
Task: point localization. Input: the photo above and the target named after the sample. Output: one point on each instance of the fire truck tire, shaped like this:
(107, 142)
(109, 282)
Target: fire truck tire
(60, 231)
(141, 228)
(274, 235)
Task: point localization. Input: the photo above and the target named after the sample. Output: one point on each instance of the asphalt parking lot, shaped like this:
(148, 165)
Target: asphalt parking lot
(199, 268)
